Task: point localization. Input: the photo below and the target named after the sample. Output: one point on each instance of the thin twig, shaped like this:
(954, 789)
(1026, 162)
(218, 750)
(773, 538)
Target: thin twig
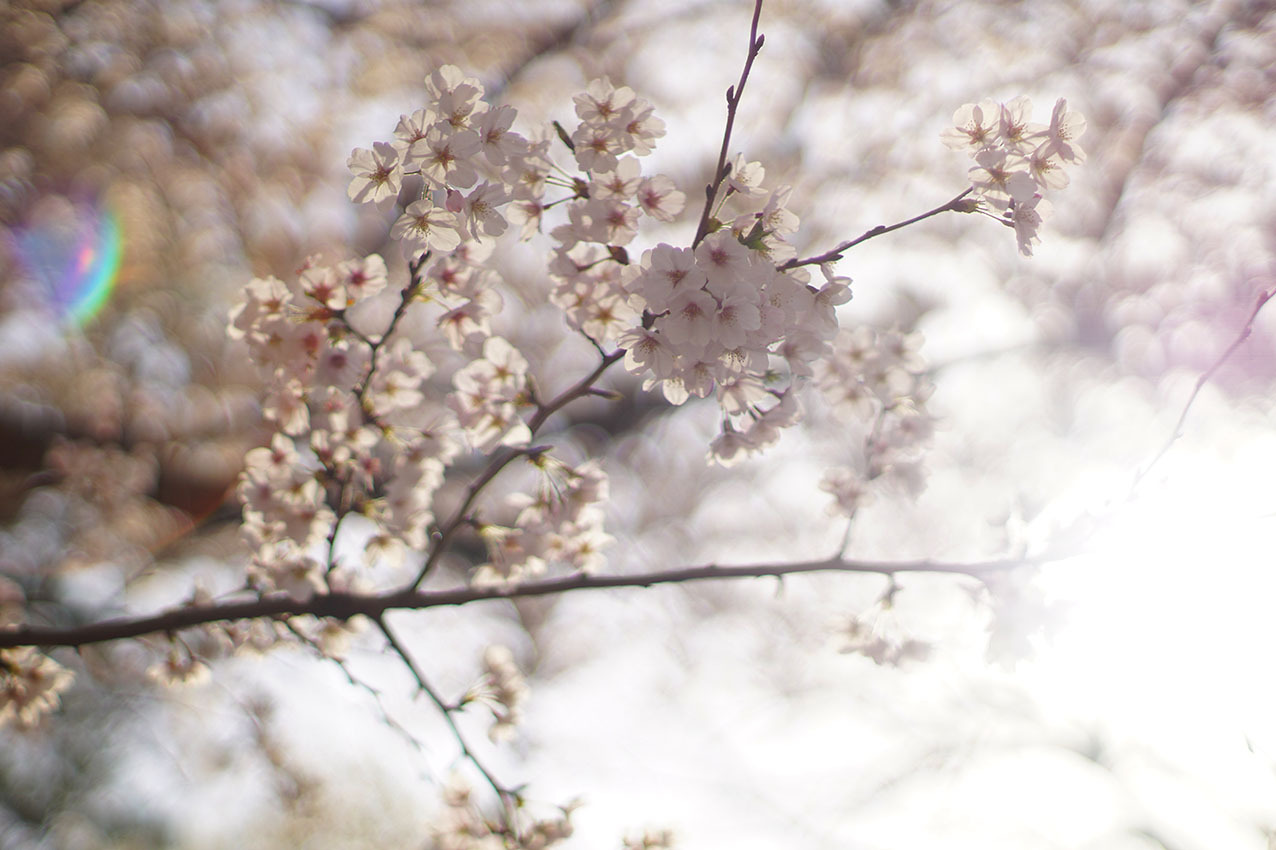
(583, 387)
(377, 697)
(405, 300)
(874, 472)
(733, 104)
(444, 537)
(1246, 330)
(509, 797)
(957, 204)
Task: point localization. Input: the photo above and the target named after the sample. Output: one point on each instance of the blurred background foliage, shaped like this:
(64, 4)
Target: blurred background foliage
(156, 155)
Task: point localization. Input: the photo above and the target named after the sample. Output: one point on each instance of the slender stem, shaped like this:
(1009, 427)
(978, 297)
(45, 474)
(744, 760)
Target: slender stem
(955, 205)
(1246, 330)
(444, 537)
(354, 680)
(508, 797)
(345, 606)
(409, 293)
(733, 104)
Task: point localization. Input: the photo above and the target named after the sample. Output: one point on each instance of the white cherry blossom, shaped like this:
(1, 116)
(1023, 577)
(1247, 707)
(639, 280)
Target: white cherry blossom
(427, 227)
(378, 173)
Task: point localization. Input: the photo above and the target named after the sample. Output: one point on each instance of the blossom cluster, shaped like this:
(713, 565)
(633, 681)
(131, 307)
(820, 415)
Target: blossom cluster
(561, 523)
(30, 686)
(178, 667)
(456, 142)
(464, 827)
(488, 393)
(650, 840)
(460, 168)
(873, 640)
(1016, 161)
(351, 416)
(879, 377)
(31, 683)
(356, 426)
(356, 430)
(589, 266)
(722, 318)
(695, 320)
(504, 690)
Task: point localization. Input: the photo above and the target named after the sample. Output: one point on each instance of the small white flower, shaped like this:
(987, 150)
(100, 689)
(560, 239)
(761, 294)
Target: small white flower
(849, 490)
(427, 226)
(975, 127)
(1027, 218)
(378, 173)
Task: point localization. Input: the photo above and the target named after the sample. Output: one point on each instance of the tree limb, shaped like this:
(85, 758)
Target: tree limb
(345, 606)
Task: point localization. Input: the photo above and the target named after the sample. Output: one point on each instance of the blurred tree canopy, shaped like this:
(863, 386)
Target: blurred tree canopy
(155, 156)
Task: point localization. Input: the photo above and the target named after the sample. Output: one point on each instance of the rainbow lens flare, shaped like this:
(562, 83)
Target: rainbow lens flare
(73, 260)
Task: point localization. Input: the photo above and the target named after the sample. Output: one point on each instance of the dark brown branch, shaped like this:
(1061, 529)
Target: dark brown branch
(733, 105)
(344, 606)
(957, 204)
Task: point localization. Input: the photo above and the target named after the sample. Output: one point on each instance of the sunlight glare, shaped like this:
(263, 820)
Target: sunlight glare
(1167, 640)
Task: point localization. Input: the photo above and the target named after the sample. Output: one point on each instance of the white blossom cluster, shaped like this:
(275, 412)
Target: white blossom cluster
(562, 523)
(589, 263)
(464, 827)
(864, 639)
(178, 667)
(354, 428)
(488, 393)
(879, 377)
(650, 840)
(351, 417)
(722, 318)
(463, 165)
(1017, 161)
(504, 690)
(30, 686)
(31, 683)
(693, 321)
(455, 143)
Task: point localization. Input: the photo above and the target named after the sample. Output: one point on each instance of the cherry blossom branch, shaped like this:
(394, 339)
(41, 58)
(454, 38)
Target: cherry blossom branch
(509, 798)
(1246, 330)
(957, 204)
(583, 387)
(344, 606)
(734, 93)
(341, 504)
